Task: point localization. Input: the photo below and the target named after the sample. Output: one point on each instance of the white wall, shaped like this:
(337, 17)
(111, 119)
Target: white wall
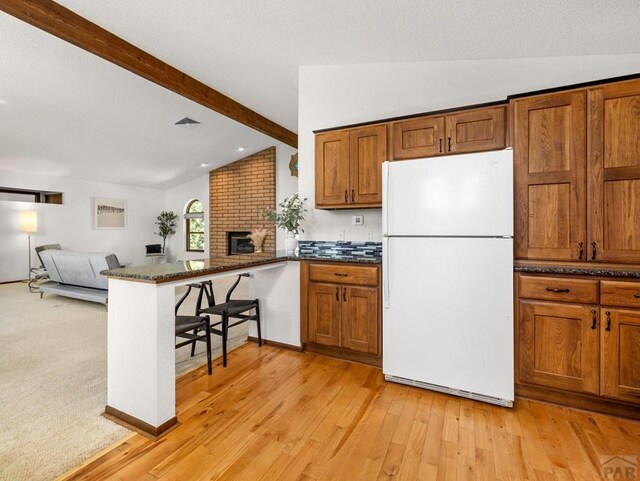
(330, 96)
(70, 224)
(286, 184)
(177, 200)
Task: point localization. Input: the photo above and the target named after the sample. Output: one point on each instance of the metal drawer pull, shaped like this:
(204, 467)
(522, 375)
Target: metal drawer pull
(608, 328)
(440, 145)
(449, 144)
(346, 196)
(340, 274)
(338, 294)
(552, 289)
(581, 245)
(593, 254)
(594, 319)
(353, 195)
(344, 294)
(637, 296)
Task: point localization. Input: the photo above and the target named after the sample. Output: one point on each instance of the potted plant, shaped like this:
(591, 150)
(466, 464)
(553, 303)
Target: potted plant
(166, 222)
(290, 215)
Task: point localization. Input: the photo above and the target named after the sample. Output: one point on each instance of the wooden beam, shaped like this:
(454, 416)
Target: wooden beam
(57, 20)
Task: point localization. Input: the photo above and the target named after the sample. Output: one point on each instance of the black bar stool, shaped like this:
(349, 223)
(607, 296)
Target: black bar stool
(234, 309)
(191, 327)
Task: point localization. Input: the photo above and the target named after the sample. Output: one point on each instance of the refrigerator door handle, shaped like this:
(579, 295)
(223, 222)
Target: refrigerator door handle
(386, 175)
(386, 290)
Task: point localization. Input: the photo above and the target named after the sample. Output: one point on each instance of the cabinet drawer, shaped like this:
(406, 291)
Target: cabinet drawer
(358, 275)
(620, 293)
(582, 291)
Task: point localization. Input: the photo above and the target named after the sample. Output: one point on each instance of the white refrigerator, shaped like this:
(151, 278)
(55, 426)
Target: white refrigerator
(448, 274)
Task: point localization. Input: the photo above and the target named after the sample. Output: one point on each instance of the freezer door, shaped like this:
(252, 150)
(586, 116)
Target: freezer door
(457, 195)
(448, 313)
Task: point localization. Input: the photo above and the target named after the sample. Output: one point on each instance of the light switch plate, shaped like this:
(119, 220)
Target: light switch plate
(357, 220)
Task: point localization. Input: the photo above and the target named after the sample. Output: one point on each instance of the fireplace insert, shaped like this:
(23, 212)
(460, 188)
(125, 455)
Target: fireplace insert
(238, 243)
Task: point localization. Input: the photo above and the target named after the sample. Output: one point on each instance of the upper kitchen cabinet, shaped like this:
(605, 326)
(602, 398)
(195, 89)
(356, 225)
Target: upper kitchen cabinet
(613, 172)
(466, 131)
(550, 155)
(349, 167)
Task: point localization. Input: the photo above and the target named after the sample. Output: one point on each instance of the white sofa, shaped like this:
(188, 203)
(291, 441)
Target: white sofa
(77, 274)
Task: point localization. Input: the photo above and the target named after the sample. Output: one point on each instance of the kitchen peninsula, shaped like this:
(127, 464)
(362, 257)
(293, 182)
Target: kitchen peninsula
(141, 354)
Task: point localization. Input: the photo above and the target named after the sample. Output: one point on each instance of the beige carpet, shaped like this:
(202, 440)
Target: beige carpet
(53, 380)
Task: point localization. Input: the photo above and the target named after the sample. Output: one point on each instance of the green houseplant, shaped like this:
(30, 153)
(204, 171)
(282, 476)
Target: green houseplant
(166, 222)
(288, 216)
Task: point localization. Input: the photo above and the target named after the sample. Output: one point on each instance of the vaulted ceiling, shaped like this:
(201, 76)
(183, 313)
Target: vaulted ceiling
(66, 112)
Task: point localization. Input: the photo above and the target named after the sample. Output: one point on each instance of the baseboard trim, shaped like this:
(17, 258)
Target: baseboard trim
(14, 282)
(346, 354)
(576, 400)
(130, 422)
(282, 345)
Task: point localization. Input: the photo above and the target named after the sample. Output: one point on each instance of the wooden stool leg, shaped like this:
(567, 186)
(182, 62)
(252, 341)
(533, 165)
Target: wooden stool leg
(225, 333)
(258, 322)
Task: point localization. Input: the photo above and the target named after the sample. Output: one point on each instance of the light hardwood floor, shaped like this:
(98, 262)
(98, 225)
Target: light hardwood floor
(280, 415)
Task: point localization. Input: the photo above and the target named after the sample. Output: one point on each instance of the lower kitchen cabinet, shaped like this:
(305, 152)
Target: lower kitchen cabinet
(620, 361)
(340, 310)
(571, 352)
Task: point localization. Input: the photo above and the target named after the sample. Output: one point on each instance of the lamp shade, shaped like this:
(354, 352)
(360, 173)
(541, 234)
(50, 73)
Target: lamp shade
(29, 221)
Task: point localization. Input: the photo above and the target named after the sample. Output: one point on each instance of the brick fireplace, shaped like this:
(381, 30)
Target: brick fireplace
(237, 192)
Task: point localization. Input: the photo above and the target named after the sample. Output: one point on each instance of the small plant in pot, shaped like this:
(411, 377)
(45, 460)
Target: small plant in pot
(166, 222)
(288, 216)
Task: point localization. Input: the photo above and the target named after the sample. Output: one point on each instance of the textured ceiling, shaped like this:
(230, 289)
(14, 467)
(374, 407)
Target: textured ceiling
(251, 49)
(67, 112)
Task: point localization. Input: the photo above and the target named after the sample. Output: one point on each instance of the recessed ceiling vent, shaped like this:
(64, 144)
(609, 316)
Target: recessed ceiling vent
(187, 123)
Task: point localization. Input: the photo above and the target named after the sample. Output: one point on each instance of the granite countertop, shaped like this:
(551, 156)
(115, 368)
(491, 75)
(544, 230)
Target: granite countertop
(158, 273)
(594, 270)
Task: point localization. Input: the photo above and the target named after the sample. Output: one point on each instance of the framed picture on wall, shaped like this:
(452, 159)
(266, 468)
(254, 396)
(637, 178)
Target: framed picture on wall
(109, 213)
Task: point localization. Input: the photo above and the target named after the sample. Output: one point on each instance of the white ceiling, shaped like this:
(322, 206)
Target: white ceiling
(251, 49)
(70, 113)
(66, 112)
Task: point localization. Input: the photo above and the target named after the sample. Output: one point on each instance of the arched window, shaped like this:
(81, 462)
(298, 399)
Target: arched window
(194, 216)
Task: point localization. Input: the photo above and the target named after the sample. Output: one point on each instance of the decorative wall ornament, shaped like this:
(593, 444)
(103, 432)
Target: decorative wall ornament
(293, 165)
(109, 213)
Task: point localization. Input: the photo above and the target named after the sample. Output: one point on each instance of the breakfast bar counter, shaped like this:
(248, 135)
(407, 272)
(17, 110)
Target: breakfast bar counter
(141, 325)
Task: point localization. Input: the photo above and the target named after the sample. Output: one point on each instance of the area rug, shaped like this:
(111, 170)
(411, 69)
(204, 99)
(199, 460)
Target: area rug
(53, 367)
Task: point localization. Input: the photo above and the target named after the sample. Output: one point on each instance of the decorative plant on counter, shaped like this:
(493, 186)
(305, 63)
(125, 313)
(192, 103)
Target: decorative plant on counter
(289, 217)
(257, 237)
(166, 222)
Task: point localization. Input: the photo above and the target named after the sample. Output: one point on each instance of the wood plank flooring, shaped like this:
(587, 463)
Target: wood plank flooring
(275, 414)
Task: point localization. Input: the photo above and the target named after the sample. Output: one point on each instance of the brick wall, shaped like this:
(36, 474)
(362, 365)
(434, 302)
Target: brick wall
(237, 192)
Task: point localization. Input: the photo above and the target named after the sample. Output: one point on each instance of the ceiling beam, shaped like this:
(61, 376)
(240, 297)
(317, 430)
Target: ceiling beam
(57, 20)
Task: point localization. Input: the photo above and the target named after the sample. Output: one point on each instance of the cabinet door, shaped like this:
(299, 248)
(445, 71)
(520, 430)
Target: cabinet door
(368, 149)
(332, 169)
(549, 155)
(614, 172)
(620, 341)
(360, 319)
(324, 314)
(476, 130)
(422, 137)
(558, 346)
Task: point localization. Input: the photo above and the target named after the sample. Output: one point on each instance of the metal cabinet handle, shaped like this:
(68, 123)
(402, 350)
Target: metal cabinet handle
(594, 319)
(449, 144)
(340, 274)
(637, 296)
(553, 289)
(346, 196)
(581, 245)
(608, 314)
(353, 195)
(344, 294)
(440, 145)
(338, 294)
(594, 251)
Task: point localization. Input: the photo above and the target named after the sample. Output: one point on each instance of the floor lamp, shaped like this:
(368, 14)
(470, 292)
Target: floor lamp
(29, 225)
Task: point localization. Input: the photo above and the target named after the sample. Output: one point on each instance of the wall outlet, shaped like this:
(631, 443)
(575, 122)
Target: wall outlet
(357, 220)
(369, 235)
(341, 235)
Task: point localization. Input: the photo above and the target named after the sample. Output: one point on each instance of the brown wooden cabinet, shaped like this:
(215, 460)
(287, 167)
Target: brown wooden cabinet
(620, 361)
(473, 130)
(549, 156)
(340, 310)
(614, 172)
(577, 173)
(349, 167)
(559, 345)
(578, 342)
